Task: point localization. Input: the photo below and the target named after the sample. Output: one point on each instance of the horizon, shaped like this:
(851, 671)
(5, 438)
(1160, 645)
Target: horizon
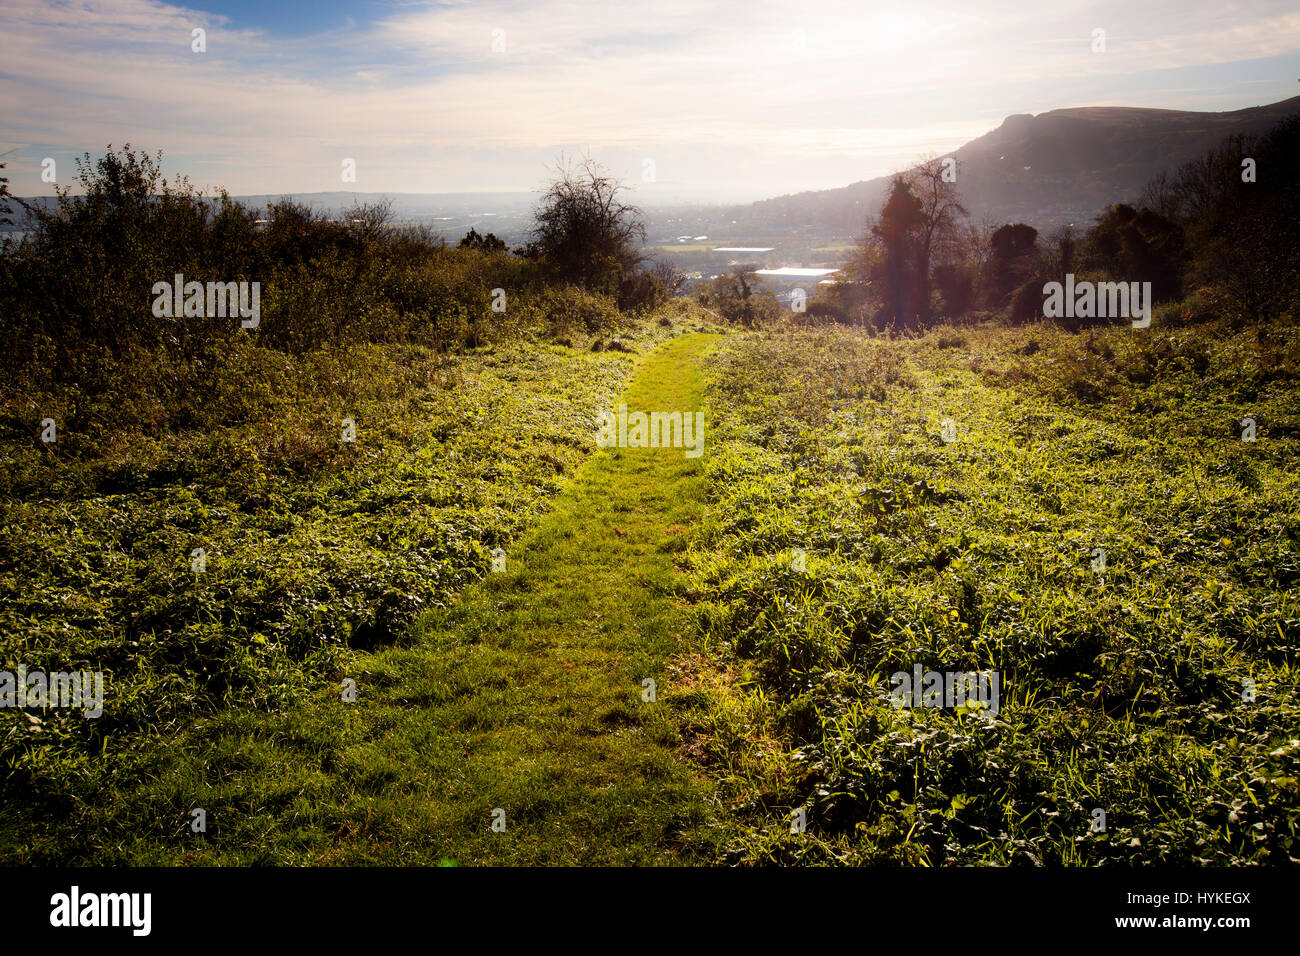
(723, 103)
(662, 199)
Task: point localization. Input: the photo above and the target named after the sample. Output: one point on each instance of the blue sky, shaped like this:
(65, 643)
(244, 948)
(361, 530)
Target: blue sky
(298, 19)
(725, 99)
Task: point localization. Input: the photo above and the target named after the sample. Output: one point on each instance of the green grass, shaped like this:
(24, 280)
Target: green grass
(522, 690)
(525, 694)
(1121, 691)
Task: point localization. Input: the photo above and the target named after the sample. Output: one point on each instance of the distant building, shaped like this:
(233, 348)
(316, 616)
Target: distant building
(789, 272)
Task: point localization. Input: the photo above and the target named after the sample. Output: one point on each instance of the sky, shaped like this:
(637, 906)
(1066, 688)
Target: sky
(714, 100)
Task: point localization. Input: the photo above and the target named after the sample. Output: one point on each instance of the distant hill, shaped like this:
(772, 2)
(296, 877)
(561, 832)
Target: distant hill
(1054, 168)
(1057, 167)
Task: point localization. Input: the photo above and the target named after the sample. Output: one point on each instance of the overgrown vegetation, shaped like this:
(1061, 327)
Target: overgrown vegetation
(1226, 221)
(176, 437)
(739, 296)
(1162, 690)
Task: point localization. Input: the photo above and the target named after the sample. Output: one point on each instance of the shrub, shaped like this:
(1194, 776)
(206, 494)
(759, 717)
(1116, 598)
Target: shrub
(642, 292)
(1027, 303)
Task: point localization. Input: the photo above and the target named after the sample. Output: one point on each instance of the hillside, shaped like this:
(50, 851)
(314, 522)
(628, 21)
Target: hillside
(1057, 167)
(913, 581)
(677, 659)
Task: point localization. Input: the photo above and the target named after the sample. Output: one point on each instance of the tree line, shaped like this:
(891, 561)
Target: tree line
(74, 294)
(1228, 221)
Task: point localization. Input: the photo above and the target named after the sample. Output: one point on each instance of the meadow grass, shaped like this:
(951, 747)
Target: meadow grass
(524, 694)
(951, 493)
(1160, 690)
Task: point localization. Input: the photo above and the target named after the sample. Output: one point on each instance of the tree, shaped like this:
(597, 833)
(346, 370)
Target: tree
(488, 243)
(4, 194)
(854, 289)
(670, 274)
(1239, 210)
(918, 226)
(584, 233)
(1138, 245)
(901, 229)
(941, 210)
(740, 296)
(1062, 245)
(956, 287)
(370, 220)
(975, 254)
(1012, 261)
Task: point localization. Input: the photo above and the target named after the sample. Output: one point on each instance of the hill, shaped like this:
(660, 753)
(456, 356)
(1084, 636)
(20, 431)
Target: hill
(1057, 167)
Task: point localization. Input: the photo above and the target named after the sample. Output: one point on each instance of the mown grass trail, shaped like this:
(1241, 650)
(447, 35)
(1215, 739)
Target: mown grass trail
(525, 696)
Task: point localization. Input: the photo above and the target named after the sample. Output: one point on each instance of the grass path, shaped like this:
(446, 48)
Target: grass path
(525, 696)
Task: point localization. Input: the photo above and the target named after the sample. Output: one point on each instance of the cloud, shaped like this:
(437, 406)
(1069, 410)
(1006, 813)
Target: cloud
(812, 88)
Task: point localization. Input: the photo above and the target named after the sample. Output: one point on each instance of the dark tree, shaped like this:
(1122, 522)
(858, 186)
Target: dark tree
(4, 195)
(1239, 208)
(1138, 245)
(488, 243)
(584, 233)
(1012, 260)
(956, 288)
(670, 274)
(899, 274)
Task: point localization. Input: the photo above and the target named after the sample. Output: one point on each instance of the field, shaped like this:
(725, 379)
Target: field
(950, 492)
(315, 551)
(1158, 687)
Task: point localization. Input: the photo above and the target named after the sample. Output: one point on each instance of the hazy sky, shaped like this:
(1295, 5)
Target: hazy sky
(728, 99)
